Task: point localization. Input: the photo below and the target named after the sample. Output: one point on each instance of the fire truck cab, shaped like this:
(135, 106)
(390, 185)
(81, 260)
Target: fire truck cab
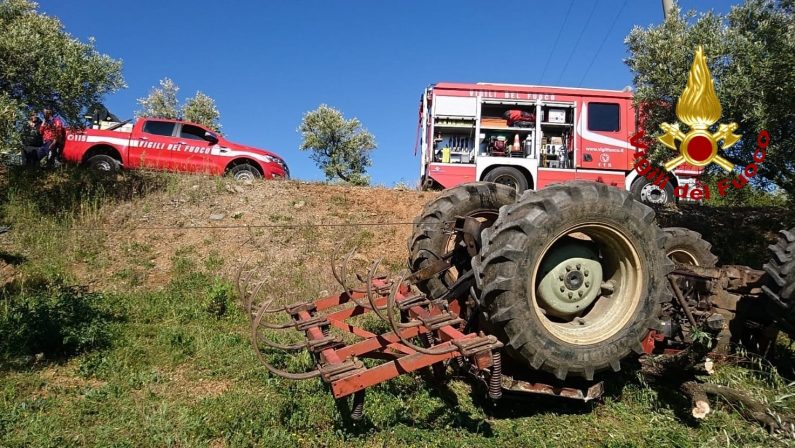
(532, 136)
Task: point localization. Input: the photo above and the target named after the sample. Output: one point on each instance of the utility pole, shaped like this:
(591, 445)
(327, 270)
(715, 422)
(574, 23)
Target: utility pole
(667, 5)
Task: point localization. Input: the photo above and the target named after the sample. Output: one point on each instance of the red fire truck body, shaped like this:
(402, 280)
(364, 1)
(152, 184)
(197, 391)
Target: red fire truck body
(466, 134)
(171, 145)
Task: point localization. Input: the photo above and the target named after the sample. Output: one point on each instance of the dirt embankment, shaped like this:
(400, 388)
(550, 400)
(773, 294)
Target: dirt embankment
(275, 225)
(294, 227)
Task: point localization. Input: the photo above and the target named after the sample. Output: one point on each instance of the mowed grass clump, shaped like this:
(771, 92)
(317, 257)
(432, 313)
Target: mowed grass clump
(177, 367)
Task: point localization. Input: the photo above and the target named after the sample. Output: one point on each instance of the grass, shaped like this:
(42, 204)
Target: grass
(178, 369)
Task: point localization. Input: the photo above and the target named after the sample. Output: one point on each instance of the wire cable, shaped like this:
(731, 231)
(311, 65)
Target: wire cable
(604, 39)
(577, 43)
(555, 45)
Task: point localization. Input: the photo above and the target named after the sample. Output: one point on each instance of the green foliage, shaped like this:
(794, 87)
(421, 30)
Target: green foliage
(340, 147)
(162, 102)
(201, 109)
(751, 55)
(54, 319)
(41, 65)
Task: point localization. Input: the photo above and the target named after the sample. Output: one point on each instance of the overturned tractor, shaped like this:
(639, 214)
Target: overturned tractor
(542, 294)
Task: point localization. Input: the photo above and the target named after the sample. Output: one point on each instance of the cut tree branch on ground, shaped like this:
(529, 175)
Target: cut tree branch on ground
(679, 372)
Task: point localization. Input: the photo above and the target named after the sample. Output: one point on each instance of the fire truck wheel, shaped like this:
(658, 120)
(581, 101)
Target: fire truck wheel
(506, 175)
(781, 284)
(103, 164)
(687, 247)
(572, 278)
(432, 237)
(645, 191)
(245, 172)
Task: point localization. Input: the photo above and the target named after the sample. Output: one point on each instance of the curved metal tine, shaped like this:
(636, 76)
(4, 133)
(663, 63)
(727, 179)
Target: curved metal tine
(256, 294)
(390, 308)
(263, 310)
(334, 271)
(344, 269)
(369, 288)
(282, 373)
(343, 276)
(242, 290)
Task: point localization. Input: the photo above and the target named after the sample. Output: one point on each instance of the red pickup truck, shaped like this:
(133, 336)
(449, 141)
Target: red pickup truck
(173, 145)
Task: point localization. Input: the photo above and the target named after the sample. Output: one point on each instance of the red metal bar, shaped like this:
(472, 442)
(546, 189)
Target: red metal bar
(374, 341)
(314, 333)
(384, 372)
(378, 342)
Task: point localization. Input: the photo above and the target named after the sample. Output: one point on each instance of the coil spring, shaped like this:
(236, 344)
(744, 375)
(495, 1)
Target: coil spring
(357, 411)
(495, 379)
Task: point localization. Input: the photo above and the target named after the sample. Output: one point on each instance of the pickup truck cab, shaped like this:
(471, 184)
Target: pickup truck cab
(169, 145)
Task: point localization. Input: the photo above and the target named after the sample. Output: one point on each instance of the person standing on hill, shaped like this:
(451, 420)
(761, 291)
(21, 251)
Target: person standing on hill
(53, 133)
(31, 140)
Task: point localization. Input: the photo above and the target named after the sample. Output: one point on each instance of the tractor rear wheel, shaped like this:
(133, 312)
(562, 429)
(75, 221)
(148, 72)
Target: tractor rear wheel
(433, 237)
(687, 247)
(572, 278)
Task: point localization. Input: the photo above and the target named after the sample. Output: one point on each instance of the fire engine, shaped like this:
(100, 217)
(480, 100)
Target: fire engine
(529, 137)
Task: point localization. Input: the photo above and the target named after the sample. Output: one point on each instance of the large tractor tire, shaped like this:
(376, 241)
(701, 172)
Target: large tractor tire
(687, 247)
(432, 237)
(572, 278)
(781, 286)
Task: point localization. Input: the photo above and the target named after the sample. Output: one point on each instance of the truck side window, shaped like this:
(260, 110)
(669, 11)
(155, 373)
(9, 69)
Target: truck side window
(159, 128)
(192, 132)
(603, 117)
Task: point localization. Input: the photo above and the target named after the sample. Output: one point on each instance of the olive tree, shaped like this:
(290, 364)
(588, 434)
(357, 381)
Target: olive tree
(41, 65)
(162, 102)
(751, 55)
(340, 147)
(201, 109)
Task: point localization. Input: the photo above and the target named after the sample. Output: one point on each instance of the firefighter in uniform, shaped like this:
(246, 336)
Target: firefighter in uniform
(53, 134)
(31, 141)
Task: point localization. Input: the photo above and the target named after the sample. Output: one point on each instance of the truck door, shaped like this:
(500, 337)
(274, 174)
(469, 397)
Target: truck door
(603, 130)
(151, 147)
(193, 152)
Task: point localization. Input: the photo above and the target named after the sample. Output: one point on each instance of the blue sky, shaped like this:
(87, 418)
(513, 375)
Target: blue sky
(267, 62)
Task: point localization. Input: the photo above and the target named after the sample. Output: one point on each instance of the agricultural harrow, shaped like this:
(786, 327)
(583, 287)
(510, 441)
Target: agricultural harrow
(539, 295)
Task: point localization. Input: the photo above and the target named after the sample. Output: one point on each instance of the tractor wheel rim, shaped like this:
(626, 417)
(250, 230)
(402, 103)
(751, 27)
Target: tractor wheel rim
(620, 291)
(683, 256)
(487, 219)
(103, 166)
(653, 194)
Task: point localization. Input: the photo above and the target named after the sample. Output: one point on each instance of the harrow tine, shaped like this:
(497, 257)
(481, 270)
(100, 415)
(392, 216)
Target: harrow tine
(389, 312)
(255, 325)
(242, 288)
(340, 276)
(369, 287)
(287, 348)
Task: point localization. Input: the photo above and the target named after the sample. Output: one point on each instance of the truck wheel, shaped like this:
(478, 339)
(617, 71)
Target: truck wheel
(508, 176)
(572, 278)
(429, 241)
(781, 285)
(687, 247)
(645, 191)
(245, 172)
(103, 164)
